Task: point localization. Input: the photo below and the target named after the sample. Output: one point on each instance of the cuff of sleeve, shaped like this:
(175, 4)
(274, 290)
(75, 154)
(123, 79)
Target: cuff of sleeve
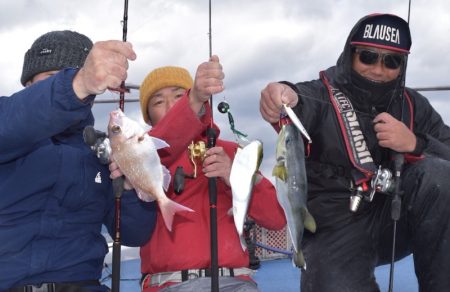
(290, 84)
(68, 76)
(421, 144)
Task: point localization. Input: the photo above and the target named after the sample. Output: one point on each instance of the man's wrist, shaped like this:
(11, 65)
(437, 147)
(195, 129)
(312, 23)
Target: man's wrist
(196, 105)
(421, 143)
(78, 87)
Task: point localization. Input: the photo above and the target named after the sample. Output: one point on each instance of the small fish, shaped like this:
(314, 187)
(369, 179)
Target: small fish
(291, 185)
(243, 177)
(135, 152)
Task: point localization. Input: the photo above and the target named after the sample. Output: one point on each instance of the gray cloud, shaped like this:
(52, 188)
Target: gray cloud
(257, 42)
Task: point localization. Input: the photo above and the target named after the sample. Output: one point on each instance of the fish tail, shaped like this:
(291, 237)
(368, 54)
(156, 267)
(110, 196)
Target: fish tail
(168, 209)
(299, 260)
(308, 220)
(243, 242)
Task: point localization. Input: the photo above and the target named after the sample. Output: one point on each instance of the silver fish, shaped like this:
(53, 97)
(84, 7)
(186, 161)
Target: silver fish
(291, 185)
(135, 152)
(243, 176)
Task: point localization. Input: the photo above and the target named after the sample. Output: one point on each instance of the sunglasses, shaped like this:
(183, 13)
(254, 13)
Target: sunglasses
(369, 57)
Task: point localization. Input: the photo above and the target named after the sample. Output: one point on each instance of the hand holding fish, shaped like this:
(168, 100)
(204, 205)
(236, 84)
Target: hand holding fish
(273, 96)
(393, 134)
(208, 80)
(116, 172)
(105, 67)
(217, 164)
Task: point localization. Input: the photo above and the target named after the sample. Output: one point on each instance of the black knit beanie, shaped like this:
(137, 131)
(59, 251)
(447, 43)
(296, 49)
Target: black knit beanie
(55, 50)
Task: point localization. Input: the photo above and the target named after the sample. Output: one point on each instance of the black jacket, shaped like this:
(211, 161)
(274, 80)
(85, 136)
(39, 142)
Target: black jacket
(328, 165)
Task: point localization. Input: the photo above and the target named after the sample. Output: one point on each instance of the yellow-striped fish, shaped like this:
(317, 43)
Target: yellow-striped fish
(291, 185)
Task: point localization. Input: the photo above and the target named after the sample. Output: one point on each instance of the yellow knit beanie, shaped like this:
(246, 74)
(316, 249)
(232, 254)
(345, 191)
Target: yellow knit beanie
(161, 78)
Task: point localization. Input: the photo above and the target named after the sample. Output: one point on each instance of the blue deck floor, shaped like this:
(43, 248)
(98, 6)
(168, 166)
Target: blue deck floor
(273, 275)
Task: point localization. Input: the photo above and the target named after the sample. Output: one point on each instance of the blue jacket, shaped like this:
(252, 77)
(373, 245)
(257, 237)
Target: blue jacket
(54, 193)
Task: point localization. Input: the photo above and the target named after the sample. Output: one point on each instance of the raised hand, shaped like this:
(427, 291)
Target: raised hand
(208, 80)
(105, 67)
(273, 96)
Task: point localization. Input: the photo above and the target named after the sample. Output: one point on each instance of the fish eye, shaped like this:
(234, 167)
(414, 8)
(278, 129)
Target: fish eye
(115, 129)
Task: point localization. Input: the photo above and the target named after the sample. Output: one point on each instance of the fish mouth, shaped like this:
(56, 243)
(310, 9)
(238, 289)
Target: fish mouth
(116, 114)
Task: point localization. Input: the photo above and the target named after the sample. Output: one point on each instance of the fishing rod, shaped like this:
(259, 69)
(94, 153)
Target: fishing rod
(118, 183)
(123, 88)
(212, 189)
(399, 160)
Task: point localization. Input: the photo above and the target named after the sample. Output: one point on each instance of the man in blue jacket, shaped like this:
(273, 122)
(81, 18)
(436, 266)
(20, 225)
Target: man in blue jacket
(54, 193)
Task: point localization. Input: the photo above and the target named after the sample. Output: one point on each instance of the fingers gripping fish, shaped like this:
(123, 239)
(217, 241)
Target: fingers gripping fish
(135, 152)
(243, 174)
(291, 185)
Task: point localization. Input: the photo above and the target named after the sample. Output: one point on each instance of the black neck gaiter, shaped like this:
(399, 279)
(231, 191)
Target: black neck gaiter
(373, 94)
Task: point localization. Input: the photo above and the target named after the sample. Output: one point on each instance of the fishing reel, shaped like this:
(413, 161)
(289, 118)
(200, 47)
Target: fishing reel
(197, 153)
(99, 143)
(382, 182)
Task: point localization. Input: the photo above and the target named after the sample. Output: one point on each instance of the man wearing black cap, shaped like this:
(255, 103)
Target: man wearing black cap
(360, 117)
(55, 194)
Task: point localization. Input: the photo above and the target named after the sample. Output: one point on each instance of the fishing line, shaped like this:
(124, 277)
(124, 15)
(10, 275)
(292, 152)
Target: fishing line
(312, 98)
(399, 158)
(224, 108)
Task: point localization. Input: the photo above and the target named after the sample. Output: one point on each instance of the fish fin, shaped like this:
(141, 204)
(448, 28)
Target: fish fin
(298, 260)
(309, 221)
(168, 209)
(166, 178)
(243, 242)
(239, 219)
(159, 143)
(146, 197)
(280, 172)
(260, 153)
(257, 178)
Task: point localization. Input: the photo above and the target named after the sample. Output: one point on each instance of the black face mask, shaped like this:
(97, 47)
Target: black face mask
(377, 94)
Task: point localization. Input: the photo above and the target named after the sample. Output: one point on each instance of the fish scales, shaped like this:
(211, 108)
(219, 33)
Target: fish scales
(292, 190)
(243, 176)
(135, 152)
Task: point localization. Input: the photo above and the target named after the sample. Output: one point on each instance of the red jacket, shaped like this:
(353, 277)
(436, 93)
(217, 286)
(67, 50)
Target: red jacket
(188, 245)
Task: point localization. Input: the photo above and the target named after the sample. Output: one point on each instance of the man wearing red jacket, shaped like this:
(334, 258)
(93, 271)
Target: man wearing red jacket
(180, 117)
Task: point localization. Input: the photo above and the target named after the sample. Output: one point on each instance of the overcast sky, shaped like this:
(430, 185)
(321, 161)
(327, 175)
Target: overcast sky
(258, 41)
